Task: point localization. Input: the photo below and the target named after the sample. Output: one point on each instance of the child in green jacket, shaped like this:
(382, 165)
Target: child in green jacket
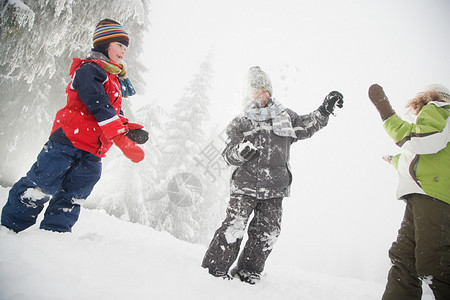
(422, 250)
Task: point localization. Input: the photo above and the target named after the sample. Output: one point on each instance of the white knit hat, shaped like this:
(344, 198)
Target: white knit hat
(442, 90)
(256, 78)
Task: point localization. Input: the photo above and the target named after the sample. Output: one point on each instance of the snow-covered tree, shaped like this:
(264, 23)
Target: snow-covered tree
(183, 133)
(182, 201)
(38, 39)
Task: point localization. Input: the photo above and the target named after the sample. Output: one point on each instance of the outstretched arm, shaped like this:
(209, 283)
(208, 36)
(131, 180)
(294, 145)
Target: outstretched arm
(306, 125)
(429, 134)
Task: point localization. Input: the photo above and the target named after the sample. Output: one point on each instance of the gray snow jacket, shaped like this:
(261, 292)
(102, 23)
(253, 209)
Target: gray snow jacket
(268, 175)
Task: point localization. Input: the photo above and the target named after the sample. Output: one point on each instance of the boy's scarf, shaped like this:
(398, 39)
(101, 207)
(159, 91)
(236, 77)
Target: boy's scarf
(281, 121)
(119, 70)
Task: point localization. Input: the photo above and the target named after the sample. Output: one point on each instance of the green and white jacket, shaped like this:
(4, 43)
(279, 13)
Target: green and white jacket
(424, 164)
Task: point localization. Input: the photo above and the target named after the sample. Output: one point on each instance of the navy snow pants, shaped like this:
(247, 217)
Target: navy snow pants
(63, 175)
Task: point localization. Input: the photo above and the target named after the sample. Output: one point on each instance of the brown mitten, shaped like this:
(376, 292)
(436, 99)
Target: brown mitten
(381, 102)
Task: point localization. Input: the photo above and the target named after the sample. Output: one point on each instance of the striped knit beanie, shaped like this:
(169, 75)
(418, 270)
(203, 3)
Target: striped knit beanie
(108, 31)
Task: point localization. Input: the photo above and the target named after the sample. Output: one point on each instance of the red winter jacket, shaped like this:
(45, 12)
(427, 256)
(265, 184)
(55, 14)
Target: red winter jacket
(92, 115)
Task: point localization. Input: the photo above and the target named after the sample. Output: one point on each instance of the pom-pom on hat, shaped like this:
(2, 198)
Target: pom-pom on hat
(108, 31)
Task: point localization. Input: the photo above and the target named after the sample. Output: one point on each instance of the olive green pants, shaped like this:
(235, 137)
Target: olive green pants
(421, 252)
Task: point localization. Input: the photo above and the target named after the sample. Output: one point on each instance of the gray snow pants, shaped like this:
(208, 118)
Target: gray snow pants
(263, 232)
(421, 252)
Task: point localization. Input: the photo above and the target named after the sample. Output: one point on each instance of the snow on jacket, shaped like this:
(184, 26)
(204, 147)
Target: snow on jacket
(268, 175)
(92, 115)
(424, 164)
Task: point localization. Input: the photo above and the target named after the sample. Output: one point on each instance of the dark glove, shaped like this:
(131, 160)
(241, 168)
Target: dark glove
(332, 100)
(381, 102)
(129, 148)
(247, 151)
(139, 136)
(136, 133)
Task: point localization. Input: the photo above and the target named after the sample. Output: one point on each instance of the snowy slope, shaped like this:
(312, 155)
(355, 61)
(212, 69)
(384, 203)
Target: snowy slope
(107, 258)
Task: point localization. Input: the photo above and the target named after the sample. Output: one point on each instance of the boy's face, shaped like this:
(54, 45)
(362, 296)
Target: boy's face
(262, 96)
(116, 51)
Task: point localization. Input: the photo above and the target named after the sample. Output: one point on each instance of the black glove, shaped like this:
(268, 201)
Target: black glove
(139, 136)
(247, 151)
(331, 100)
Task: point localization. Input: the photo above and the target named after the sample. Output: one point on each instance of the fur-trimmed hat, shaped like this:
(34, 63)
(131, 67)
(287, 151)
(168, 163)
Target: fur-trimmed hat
(257, 79)
(108, 31)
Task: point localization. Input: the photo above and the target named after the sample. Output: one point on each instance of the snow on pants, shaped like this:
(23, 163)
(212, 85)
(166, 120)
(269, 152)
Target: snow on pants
(63, 175)
(421, 252)
(263, 232)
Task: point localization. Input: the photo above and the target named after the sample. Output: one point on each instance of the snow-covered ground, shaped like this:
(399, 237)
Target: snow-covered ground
(108, 258)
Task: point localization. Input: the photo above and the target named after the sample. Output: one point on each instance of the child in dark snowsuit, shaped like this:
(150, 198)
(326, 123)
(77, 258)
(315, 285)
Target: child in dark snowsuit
(84, 130)
(258, 147)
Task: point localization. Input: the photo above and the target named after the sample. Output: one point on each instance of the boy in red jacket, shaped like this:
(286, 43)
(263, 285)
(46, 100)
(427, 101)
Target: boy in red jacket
(84, 130)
